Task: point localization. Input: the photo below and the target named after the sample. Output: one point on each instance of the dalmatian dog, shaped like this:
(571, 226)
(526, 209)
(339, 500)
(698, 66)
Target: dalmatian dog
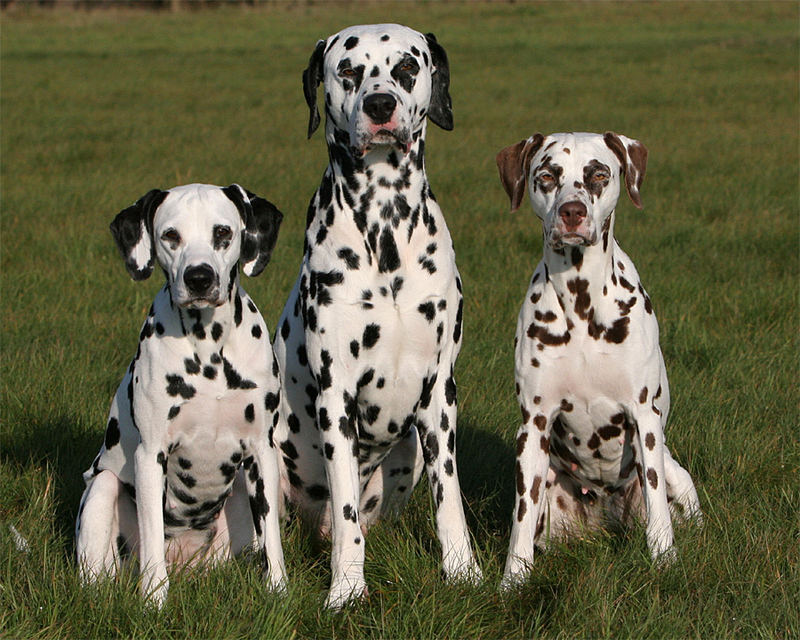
(188, 471)
(590, 377)
(370, 333)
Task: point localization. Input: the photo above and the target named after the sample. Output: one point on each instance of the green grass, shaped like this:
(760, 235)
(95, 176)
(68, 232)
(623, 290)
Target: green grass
(97, 108)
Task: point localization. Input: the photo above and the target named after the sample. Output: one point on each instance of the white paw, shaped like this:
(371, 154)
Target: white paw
(345, 592)
(468, 572)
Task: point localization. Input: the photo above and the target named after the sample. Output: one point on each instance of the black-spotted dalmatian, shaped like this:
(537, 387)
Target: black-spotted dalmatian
(591, 380)
(188, 471)
(370, 333)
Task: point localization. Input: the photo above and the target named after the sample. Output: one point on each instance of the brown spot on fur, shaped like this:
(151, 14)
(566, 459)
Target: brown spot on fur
(547, 316)
(625, 307)
(594, 441)
(618, 418)
(521, 510)
(534, 362)
(540, 333)
(652, 477)
(566, 406)
(540, 421)
(562, 504)
(526, 415)
(650, 441)
(609, 431)
(537, 484)
(537, 399)
(577, 257)
(623, 282)
(580, 289)
(520, 480)
(523, 438)
(535, 297)
(643, 395)
(544, 443)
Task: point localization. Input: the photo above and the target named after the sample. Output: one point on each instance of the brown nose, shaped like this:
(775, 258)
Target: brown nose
(572, 213)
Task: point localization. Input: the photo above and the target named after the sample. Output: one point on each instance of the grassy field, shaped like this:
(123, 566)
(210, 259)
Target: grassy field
(97, 108)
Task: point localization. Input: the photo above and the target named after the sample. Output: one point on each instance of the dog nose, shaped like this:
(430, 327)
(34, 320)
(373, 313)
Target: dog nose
(379, 107)
(572, 213)
(199, 279)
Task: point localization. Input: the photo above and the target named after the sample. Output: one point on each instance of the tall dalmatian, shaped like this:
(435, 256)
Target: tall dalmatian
(591, 380)
(188, 471)
(371, 331)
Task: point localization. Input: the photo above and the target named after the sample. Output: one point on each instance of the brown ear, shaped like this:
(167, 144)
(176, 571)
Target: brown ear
(513, 163)
(632, 156)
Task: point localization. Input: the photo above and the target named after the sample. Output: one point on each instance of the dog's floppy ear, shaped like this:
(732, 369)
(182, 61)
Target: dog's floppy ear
(261, 223)
(514, 162)
(632, 156)
(312, 76)
(441, 108)
(132, 229)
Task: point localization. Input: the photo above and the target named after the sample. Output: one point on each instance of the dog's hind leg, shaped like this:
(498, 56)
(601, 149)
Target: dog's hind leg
(106, 527)
(681, 491)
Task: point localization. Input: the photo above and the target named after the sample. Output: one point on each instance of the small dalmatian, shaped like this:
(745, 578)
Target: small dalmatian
(188, 471)
(371, 331)
(591, 380)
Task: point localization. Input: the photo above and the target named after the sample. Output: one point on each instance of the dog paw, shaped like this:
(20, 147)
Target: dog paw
(466, 572)
(344, 593)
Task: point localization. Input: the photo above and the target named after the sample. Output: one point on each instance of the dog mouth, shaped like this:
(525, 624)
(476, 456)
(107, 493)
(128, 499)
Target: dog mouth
(571, 239)
(382, 138)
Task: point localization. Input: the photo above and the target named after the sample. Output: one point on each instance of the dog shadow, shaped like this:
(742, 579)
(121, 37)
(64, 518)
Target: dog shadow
(57, 447)
(486, 476)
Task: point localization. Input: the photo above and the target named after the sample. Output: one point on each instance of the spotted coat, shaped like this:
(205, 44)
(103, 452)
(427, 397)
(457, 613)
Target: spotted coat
(590, 377)
(188, 470)
(370, 333)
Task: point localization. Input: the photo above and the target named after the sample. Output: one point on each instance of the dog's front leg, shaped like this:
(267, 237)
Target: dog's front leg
(533, 462)
(649, 452)
(436, 423)
(150, 464)
(263, 481)
(337, 422)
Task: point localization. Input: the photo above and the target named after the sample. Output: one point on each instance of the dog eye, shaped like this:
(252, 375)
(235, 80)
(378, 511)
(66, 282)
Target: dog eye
(409, 67)
(347, 72)
(171, 236)
(545, 178)
(600, 176)
(222, 234)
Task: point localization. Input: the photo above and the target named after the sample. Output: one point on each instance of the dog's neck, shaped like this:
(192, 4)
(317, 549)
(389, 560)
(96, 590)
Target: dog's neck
(581, 275)
(384, 185)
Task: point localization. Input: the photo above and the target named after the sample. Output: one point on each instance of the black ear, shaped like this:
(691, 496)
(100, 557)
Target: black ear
(441, 108)
(262, 220)
(132, 229)
(312, 76)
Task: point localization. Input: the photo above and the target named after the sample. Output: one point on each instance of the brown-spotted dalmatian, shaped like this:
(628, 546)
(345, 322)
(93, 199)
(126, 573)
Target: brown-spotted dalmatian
(370, 334)
(188, 471)
(590, 377)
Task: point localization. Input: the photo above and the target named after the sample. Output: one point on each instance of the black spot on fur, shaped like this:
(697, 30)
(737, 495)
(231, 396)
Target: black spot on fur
(371, 335)
(112, 433)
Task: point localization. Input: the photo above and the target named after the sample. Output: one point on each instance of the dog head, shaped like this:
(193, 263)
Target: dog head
(381, 81)
(199, 234)
(573, 180)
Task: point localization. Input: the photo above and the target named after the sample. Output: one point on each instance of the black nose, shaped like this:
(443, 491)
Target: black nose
(379, 107)
(199, 279)
(572, 213)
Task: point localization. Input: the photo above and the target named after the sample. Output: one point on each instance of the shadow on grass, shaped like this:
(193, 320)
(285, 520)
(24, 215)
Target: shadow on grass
(486, 474)
(58, 445)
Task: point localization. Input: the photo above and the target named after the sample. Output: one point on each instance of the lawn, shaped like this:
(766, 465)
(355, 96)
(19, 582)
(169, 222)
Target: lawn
(99, 107)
